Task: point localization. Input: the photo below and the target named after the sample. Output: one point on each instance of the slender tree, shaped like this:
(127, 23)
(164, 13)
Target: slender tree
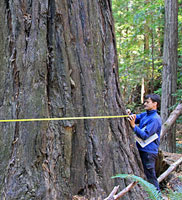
(169, 76)
(58, 59)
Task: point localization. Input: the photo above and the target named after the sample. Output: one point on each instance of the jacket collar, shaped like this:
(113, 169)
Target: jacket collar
(150, 112)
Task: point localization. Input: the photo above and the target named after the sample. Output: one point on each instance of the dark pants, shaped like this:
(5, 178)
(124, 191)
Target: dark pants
(148, 161)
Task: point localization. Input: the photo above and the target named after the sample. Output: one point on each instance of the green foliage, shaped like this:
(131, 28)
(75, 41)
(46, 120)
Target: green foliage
(159, 91)
(136, 22)
(149, 188)
(178, 148)
(175, 195)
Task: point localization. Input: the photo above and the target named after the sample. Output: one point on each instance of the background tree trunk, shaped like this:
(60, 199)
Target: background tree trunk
(169, 76)
(144, 80)
(58, 59)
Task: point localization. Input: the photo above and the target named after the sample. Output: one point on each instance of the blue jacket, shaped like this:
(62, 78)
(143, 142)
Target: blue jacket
(152, 123)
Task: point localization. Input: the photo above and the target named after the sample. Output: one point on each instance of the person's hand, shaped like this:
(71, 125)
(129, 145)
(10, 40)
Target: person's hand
(131, 119)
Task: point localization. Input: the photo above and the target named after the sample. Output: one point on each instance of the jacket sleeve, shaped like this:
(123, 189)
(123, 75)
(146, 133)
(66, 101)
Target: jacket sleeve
(149, 129)
(139, 117)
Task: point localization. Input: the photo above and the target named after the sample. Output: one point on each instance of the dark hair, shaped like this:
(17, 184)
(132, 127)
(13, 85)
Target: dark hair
(154, 98)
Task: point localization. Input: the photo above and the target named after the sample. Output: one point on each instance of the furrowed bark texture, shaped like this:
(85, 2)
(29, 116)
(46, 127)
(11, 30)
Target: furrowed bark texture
(169, 76)
(58, 59)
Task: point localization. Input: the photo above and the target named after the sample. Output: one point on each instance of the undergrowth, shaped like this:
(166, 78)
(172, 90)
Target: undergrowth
(153, 193)
(151, 190)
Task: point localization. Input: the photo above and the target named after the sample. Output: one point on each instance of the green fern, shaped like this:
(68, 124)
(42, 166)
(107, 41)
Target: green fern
(151, 190)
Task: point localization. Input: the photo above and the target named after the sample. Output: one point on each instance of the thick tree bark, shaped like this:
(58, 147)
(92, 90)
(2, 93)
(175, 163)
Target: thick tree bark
(58, 59)
(169, 76)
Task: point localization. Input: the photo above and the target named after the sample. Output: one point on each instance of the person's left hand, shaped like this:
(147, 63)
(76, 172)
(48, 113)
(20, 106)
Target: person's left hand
(128, 111)
(131, 119)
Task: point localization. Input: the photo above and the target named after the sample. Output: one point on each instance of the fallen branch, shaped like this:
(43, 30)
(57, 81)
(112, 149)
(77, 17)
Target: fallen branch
(169, 170)
(125, 190)
(112, 195)
(171, 119)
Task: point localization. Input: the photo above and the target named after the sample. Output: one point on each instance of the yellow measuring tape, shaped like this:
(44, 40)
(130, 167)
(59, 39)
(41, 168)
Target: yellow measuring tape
(63, 118)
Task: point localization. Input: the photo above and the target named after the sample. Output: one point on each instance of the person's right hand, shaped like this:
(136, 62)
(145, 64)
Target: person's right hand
(131, 119)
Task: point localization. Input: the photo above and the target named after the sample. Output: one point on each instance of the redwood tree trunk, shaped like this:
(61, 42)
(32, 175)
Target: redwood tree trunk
(58, 59)
(169, 76)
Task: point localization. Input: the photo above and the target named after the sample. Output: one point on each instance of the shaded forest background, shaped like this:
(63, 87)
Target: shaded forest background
(139, 27)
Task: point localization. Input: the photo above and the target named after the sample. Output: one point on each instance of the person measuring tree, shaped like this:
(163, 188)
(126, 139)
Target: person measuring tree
(148, 135)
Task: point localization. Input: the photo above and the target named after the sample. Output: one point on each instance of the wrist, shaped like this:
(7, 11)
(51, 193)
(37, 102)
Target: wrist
(133, 126)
